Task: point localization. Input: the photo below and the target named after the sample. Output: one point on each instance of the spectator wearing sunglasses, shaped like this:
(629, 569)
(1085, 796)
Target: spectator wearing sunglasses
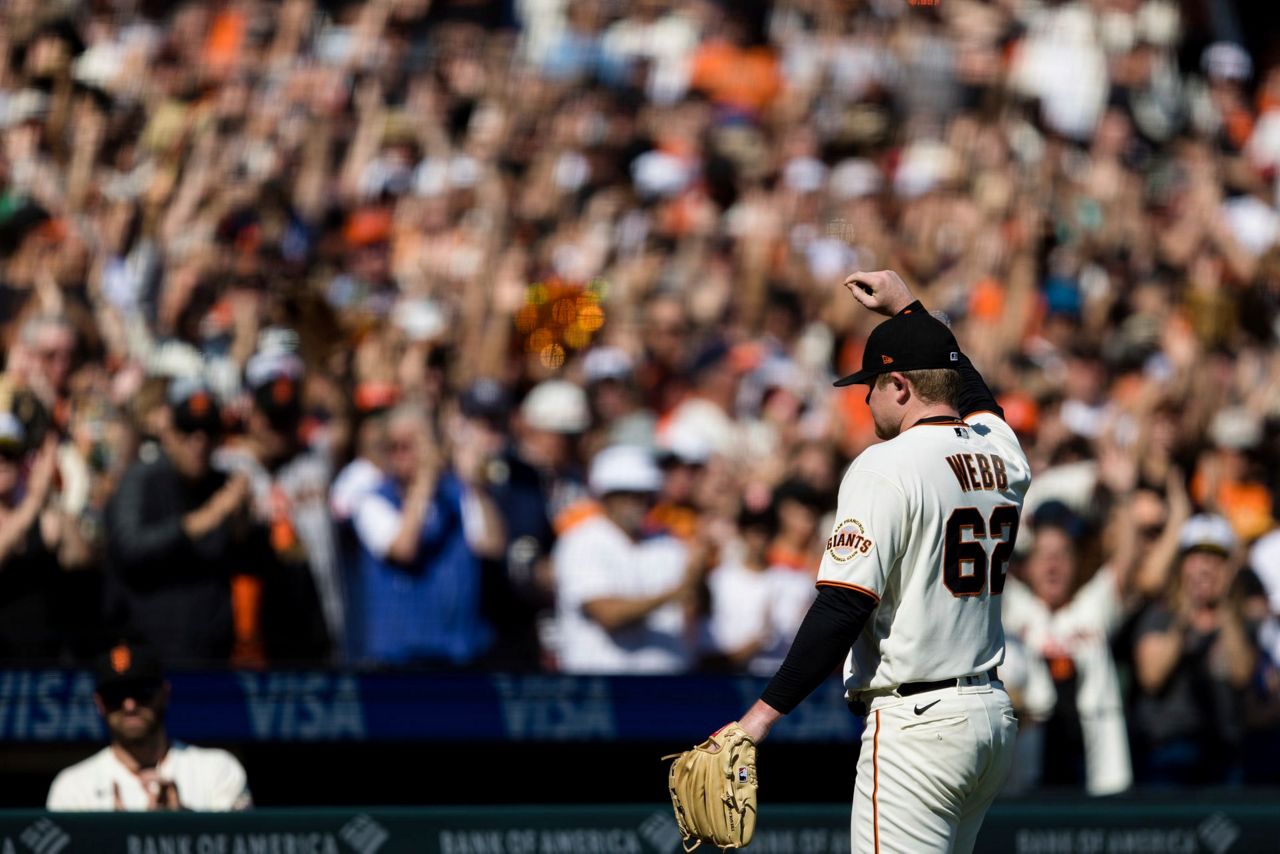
(143, 769)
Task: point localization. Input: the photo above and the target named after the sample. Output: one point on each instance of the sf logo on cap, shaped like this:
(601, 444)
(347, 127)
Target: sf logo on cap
(121, 658)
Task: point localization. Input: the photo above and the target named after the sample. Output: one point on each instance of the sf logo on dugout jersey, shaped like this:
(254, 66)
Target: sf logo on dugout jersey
(848, 540)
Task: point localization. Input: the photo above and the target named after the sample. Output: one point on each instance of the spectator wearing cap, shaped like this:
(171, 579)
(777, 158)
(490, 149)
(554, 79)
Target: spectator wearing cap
(301, 593)
(614, 399)
(142, 769)
(683, 458)
(517, 581)
(176, 531)
(1193, 658)
(365, 284)
(419, 571)
(38, 542)
(624, 603)
(552, 418)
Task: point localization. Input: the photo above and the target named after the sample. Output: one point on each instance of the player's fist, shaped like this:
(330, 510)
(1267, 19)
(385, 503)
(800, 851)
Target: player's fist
(883, 291)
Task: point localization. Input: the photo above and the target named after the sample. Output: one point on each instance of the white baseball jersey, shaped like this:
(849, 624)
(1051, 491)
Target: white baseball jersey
(207, 779)
(926, 524)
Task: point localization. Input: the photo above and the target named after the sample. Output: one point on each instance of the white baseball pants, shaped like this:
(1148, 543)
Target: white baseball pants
(930, 766)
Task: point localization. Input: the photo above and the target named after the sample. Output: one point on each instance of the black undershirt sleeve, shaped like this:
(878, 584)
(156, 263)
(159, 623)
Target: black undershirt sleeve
(829, 629)
(975, 396)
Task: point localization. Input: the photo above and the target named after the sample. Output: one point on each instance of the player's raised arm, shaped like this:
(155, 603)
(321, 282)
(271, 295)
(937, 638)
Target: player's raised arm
(884, 292)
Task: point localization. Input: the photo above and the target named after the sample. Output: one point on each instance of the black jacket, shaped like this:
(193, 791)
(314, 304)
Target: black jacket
(164, 588)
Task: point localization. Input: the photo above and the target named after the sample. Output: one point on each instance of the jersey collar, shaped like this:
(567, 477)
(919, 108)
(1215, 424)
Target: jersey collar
(948, 420)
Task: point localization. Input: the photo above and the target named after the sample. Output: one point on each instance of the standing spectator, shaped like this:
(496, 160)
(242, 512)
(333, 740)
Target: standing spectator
(1193, 660)
(623, 604)
(38, 543)
(358, 479)
(756, 608)
(302, 588)
(795, 546)
(1073, 717)
(552, 417)
(517, 582)
(419, 574)
(176, 531)
(1064, 624)
(143, 769)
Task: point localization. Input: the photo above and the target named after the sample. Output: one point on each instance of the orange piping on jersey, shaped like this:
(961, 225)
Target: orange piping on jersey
(875, 783)
(859, 589)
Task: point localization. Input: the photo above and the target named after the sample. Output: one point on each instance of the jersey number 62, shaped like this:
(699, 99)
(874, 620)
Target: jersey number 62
(965, 565)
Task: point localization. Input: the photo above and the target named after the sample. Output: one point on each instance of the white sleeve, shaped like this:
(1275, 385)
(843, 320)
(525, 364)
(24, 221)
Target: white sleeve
(63, 795)
(473, 522)
(377, 522)
(230, 790)
(1100, 600)
(789, 605)
(581, 571)
(866, 541)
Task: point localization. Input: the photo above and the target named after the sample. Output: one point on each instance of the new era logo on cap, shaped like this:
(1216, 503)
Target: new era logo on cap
(919, 341)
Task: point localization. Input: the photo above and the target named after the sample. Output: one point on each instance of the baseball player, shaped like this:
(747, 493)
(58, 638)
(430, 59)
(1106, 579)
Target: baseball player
(909, 588)
(143, 769)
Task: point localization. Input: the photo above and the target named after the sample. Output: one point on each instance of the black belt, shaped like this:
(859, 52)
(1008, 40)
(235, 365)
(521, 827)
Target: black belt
(909, 688)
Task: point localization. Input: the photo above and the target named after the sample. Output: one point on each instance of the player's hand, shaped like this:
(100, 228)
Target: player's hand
(883, 291)
(162, 794)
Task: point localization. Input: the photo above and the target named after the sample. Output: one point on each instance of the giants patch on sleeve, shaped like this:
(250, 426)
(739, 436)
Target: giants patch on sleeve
(848, 540)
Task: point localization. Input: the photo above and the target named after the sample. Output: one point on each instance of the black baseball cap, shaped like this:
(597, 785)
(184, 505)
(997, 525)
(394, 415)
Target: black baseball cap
(194, 408)
(485, 399)
(128, 666)
(275, 382)
(912, 340)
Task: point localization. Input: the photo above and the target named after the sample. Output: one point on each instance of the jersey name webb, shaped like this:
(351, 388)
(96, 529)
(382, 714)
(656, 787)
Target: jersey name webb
(979, 471)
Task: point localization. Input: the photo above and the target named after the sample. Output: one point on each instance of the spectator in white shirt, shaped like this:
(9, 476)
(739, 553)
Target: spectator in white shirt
(143, 769)
(624, 604)
(756, 608)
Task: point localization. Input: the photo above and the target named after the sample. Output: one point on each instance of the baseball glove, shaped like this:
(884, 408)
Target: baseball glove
(713, 790)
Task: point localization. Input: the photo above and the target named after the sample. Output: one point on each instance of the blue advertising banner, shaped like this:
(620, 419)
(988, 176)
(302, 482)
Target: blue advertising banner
(336, 706)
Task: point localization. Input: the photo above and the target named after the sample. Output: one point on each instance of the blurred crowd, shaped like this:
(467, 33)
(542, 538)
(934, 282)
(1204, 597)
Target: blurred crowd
(477, 334)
